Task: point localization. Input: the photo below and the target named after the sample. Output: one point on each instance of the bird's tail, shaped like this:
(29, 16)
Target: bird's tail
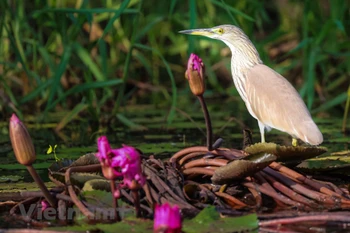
(310, 133)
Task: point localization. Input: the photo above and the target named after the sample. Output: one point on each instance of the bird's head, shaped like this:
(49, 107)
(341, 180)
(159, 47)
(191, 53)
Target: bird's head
(227, 33)
(242, 48)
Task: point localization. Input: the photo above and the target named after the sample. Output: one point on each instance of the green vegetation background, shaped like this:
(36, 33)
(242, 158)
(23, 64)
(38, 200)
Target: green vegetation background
(90, 59)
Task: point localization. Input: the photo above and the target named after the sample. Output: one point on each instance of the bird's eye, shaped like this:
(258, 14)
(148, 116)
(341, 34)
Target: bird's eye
(220, 30)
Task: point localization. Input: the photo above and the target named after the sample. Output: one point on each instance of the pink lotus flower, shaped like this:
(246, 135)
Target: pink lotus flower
(128, 162)
(124, 162)
(167, 219)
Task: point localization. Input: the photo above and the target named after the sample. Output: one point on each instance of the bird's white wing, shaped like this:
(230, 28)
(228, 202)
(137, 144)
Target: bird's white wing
(275, 103)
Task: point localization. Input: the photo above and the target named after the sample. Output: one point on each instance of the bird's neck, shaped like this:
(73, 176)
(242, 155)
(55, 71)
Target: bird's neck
(244, 56)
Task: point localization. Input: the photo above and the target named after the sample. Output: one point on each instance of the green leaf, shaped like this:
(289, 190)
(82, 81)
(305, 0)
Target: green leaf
(129, 123)
(208, 220)
(85, 86)
(71, 115)
(57, 74)
(90, 64)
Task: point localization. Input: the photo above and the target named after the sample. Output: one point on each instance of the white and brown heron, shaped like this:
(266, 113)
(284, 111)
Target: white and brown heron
(269, 97)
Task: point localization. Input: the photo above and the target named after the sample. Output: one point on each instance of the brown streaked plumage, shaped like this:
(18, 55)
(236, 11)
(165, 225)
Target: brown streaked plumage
(269, 97)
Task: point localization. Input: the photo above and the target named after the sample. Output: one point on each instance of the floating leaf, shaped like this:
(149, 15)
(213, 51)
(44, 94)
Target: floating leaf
(286, 153)
(77, 178)
(130, 224)
(322, 165)
(7, 179)
(208, 220)
(87, 159)
(59, 165)
(238, 169)
(338, 162)
(97, 184)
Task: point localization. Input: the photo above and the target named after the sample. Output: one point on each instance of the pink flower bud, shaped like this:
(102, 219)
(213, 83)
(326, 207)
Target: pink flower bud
(195, 75)
(21, 142)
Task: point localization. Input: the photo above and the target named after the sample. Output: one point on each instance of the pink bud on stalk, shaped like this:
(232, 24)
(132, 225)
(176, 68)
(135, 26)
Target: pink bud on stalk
(167, 219)
(21, 142)
(195, 75)
(25, 154)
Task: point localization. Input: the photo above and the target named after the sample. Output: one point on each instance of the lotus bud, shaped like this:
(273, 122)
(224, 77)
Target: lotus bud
(195, 75)
(21, 142)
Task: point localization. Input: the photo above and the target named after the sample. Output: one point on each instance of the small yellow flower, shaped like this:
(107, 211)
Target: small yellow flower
(52, 149)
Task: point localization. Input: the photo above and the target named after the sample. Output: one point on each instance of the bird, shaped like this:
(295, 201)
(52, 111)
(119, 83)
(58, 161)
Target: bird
(269, 97)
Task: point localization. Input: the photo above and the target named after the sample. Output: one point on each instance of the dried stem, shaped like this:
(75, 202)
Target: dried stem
(313, 218)
(75, 199)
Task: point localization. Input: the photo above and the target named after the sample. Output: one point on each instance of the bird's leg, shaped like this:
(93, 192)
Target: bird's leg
(262, 131)
(295, 142)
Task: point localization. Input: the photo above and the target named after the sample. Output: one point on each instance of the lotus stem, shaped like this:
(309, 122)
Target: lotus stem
(115, 201)
(41, 185)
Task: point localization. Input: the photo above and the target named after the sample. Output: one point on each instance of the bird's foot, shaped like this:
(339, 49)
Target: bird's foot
(295, 142)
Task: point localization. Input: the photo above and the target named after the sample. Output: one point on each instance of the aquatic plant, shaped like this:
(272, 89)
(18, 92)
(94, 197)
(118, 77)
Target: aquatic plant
(167, 219)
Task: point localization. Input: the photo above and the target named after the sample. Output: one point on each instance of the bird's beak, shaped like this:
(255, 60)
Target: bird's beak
(199, 32)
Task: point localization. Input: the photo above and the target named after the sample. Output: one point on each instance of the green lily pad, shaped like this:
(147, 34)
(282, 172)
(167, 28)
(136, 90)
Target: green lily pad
(334, 162)
(87, 159)
(97, 184)
(77, 178)
(286, 153)
(9, 178)
(208, 220)
(322, 165)
(130, 224)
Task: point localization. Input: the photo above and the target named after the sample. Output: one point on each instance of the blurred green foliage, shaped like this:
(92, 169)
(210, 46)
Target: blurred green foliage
(93, 57)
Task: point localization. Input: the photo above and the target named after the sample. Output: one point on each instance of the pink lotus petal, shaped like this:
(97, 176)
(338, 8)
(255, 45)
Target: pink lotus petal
(44, 205)
(194, 63)
(124, 161)
(103, 148)
(168, 218)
